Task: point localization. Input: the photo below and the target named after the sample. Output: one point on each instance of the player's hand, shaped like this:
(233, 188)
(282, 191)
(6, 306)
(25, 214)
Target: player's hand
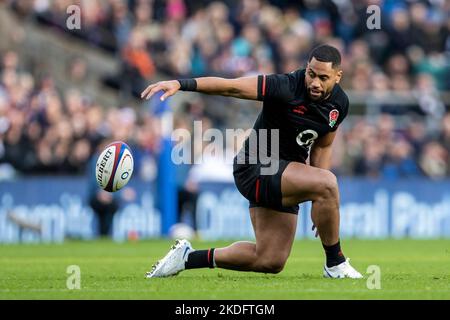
(169, 88)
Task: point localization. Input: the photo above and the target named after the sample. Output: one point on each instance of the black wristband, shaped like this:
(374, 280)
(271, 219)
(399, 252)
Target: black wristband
(188, 84)
(211, 257)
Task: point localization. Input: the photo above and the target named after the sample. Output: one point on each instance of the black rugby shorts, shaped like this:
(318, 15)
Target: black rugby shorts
(259, 189)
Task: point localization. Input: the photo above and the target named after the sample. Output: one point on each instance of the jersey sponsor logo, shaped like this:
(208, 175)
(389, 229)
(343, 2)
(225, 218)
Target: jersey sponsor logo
(334, 114)
(300, 109)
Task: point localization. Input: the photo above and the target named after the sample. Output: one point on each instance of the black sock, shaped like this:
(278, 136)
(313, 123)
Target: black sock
(200, 259)
(334, 254)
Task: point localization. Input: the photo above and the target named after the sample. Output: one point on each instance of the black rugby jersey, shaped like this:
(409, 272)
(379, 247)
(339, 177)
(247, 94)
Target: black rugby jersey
(300, 121)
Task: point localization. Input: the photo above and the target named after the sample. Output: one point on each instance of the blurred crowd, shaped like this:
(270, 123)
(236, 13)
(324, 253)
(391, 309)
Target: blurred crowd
(380, 147)
(185, 38)
(45, 130)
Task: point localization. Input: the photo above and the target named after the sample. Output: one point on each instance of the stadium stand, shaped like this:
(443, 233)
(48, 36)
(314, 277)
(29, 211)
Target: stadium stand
(399, 85)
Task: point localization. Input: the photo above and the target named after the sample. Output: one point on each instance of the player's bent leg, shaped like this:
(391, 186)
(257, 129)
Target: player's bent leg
(301, 183)
(274, 232)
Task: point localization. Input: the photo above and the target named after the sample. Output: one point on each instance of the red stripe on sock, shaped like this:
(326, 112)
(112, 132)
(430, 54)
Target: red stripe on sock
(209, 251)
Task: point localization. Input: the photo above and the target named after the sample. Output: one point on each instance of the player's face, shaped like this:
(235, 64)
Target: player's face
(320, 79)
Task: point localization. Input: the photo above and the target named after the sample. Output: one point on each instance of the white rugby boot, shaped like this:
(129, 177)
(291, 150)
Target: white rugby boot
(173, 262)
(343, 270)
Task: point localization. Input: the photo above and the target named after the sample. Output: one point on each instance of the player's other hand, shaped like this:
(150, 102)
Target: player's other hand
(169, 88)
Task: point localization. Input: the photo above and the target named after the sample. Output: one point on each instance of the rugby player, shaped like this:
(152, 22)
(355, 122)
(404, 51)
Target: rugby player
(306, 108)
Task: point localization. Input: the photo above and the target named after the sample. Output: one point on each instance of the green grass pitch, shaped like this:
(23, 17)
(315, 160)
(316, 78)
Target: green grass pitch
(410, 269)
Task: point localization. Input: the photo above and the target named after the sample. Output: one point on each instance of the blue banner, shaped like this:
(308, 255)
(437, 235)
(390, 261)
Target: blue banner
(52, 209)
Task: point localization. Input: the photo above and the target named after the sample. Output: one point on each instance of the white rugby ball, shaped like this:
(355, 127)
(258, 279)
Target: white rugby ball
(114, 167)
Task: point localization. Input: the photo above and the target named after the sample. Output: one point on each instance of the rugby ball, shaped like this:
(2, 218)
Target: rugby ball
(114, 167)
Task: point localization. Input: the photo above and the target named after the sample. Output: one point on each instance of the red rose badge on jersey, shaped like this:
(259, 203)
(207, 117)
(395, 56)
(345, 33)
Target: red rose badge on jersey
(334, 114)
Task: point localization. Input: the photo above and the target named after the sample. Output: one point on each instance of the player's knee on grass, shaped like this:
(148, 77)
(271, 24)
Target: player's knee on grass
(272, 265)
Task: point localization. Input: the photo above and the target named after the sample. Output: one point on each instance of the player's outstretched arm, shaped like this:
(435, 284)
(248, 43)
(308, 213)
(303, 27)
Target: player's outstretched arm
(244, 88)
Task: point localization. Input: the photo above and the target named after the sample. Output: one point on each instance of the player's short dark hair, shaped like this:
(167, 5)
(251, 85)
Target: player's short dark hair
(326, 53)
